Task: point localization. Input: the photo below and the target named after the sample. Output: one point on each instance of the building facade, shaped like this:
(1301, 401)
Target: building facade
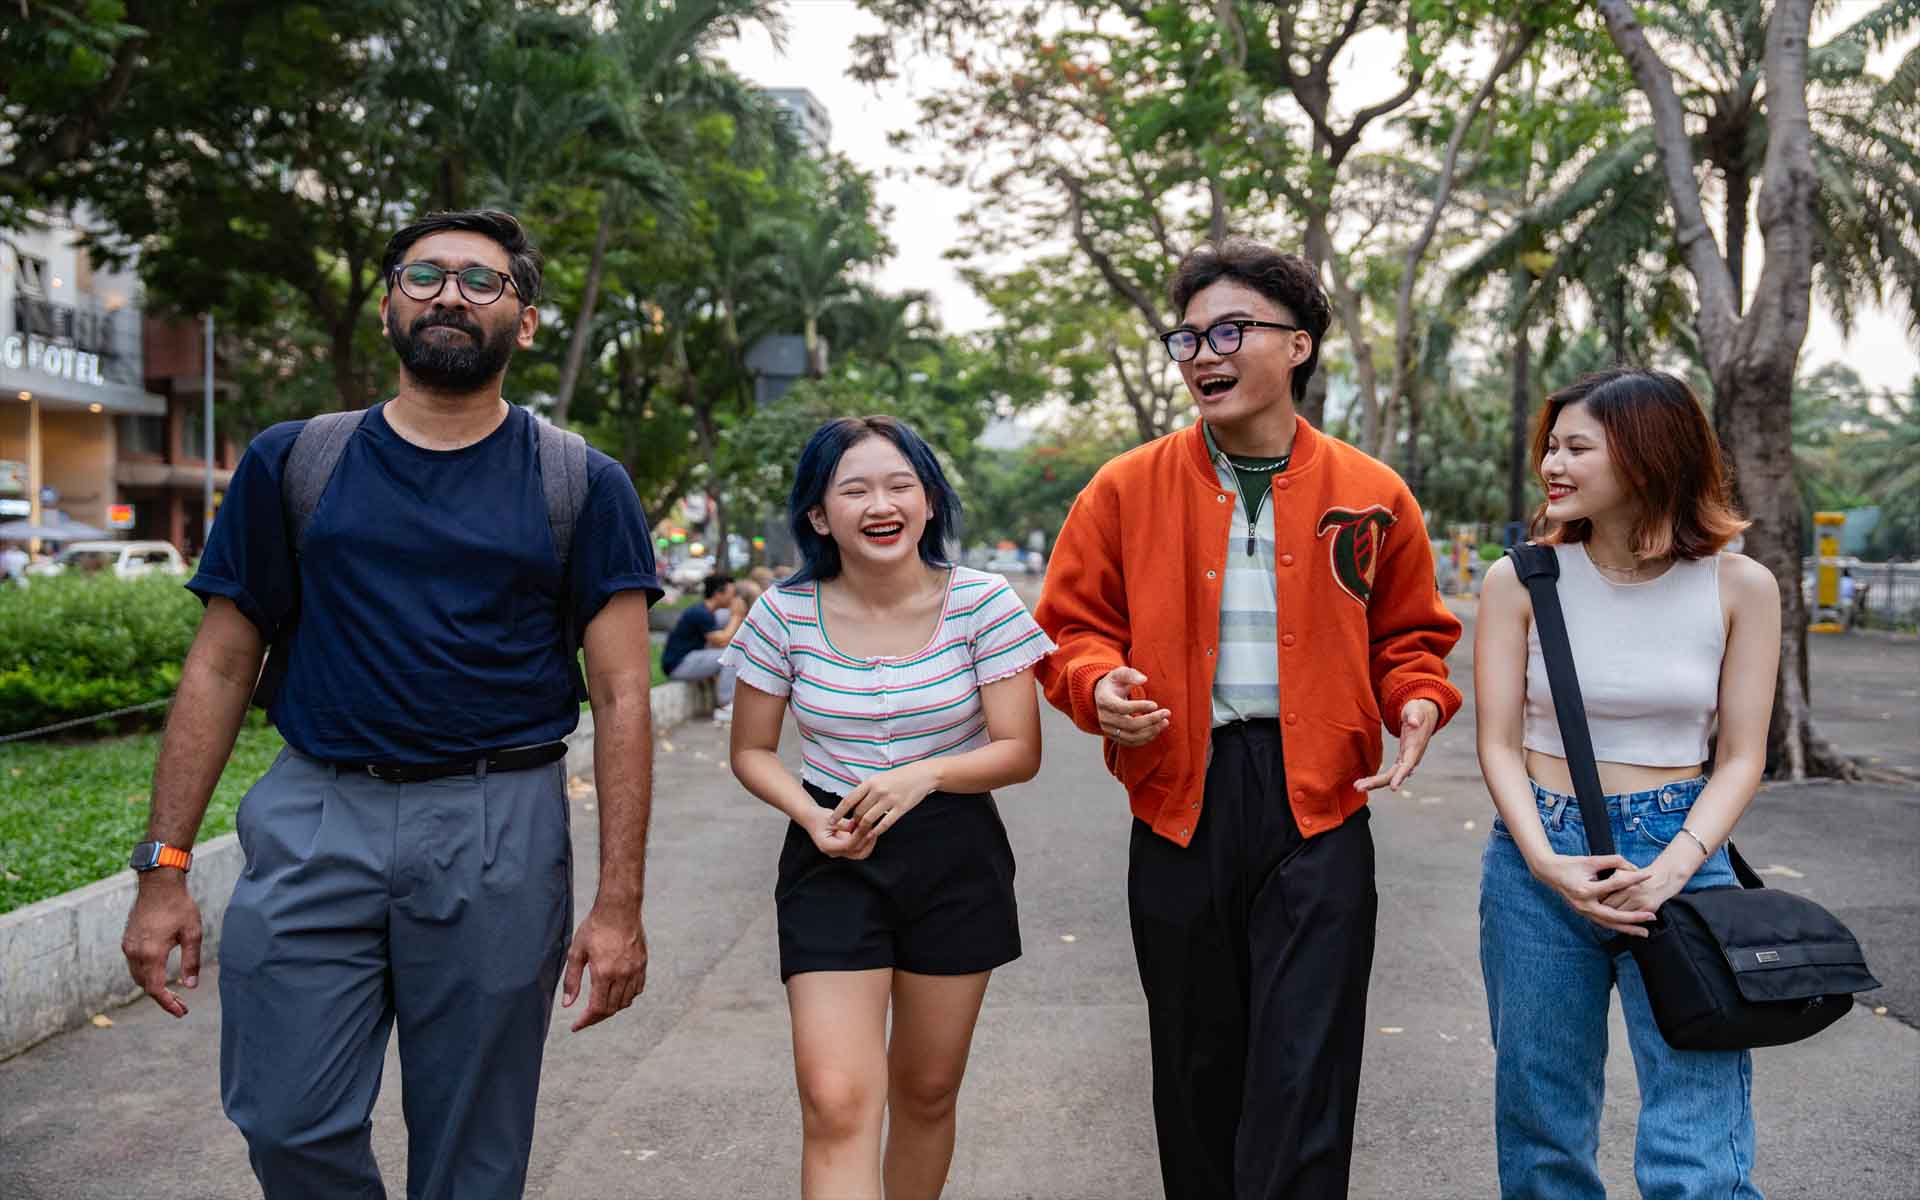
(93, 428)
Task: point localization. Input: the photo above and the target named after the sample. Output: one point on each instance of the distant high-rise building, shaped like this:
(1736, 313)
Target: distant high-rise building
(808, 116)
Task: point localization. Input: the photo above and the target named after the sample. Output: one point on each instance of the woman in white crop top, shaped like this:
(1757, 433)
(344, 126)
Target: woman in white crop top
(1670, 634)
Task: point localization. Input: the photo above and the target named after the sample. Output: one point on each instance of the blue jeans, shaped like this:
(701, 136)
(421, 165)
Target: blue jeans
(1548, 973)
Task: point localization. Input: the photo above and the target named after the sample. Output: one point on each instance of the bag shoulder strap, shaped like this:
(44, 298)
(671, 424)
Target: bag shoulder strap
(317, 451)
(1539, 568)
(563, 481)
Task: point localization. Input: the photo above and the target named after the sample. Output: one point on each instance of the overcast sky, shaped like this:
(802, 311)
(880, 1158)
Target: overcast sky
(925, 221)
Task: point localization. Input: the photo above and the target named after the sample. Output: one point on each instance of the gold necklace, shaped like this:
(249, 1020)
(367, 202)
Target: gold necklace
(1631, 571)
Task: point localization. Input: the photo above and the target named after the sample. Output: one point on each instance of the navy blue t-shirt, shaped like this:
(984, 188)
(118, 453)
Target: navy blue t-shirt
(429, 620)
(689, 634)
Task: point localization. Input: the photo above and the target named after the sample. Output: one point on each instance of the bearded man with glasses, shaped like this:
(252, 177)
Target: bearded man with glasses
(1239, 607)
(425, 572)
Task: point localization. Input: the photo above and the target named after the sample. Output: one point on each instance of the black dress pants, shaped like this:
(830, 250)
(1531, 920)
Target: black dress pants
(1254, 946)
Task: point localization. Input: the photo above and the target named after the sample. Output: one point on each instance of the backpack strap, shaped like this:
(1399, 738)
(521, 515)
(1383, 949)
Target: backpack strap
(563, 480)
(317, 451)
(563, 483)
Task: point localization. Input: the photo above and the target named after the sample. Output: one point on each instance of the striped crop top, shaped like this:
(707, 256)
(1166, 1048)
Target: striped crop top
(858, 717)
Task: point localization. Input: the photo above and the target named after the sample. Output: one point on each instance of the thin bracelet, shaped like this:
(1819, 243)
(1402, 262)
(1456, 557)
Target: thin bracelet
(1696, 841)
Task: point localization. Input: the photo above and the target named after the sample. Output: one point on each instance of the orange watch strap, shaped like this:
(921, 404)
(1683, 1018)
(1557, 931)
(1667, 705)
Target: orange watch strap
(171, 856)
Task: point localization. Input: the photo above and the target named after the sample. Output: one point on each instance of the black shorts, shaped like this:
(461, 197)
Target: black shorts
(935, 897)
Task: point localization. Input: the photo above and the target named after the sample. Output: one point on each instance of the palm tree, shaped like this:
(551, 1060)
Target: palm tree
(664, 81)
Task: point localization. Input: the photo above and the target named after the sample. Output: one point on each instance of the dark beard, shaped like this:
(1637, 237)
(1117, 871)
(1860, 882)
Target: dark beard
(451, 366)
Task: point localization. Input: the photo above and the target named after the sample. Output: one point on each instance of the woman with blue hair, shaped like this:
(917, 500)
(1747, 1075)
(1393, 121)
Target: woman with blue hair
(910, 680)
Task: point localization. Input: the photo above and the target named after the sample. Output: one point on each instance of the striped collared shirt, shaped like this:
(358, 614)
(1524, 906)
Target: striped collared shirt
(859, 716)
(1246, 684)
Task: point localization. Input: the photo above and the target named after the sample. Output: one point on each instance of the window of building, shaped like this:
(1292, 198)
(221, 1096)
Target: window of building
(193, 438)
(143, 435)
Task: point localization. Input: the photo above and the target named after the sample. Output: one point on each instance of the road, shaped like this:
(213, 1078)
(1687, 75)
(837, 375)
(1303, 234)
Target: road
(689, 1095)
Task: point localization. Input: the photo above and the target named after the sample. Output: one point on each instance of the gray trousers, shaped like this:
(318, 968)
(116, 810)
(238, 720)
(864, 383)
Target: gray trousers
(706, 664)
(445, 906)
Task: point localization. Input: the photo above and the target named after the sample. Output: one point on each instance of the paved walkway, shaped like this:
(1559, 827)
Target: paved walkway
(689, 1095)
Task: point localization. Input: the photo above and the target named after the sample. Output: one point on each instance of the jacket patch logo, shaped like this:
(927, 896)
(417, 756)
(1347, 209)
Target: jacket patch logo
(1358, 538)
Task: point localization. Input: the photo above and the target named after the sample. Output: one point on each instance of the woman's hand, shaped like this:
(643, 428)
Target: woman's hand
(877, 804)
(828, 836)
(1576, 878)
(1666, 876)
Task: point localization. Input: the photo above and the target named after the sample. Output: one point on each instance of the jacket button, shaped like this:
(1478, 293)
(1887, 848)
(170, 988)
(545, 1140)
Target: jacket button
(1186, 833)
(1222, 497)
(1293, 718)
(1287, 640)
(1285, 484)
(1306, 822)
(1209, 574)
(1299, 797)
(1209, 651)
(1286, 560)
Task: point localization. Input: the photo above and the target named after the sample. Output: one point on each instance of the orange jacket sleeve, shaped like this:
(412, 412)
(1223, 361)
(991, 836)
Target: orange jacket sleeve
(1083, 606)
(1410, 629)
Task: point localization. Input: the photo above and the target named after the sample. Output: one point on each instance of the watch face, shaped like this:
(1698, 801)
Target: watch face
(145, 856)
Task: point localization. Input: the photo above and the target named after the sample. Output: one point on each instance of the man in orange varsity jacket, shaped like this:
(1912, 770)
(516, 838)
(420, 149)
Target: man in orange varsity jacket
(1239, 608)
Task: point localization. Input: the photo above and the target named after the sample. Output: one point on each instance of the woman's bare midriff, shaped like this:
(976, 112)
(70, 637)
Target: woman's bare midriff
(1615, 778)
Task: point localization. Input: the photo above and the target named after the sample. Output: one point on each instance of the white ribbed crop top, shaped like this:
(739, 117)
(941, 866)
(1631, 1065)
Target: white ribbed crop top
(1648, 657)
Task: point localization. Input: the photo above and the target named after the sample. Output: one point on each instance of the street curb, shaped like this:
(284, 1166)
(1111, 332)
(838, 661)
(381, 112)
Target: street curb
(60, 958)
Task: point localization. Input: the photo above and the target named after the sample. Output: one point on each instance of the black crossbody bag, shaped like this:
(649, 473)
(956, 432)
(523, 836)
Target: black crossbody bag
(1726, 968)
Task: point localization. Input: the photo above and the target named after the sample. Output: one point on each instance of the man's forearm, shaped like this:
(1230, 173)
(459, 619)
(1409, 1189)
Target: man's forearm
(623, 779)
(208, 709)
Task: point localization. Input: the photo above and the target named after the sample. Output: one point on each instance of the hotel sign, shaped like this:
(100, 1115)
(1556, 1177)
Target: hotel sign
(60, 362)
(62, 341)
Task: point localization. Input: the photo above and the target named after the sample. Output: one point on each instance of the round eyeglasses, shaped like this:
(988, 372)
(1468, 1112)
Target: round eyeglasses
(479, 285)
(1224, 337)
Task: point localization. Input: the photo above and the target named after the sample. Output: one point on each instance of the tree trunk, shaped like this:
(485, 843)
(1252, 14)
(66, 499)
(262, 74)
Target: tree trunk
(1739, 186)
(816, 361)
(583, 320)
(1520, 408)
(1346, 305)
(1758, 398)
(1752, 358)
(1412, 461)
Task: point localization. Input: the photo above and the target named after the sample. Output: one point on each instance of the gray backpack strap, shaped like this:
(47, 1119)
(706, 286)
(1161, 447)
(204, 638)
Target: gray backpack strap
(563, 480)
(316, 452)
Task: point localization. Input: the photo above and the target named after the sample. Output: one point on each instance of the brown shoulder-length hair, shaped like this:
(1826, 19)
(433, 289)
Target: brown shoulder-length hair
(1659, 439)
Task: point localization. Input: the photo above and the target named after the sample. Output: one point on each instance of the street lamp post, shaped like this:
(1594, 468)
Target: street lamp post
(206, 494)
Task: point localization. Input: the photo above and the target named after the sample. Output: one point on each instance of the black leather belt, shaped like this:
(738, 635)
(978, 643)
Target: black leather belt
(520, 758)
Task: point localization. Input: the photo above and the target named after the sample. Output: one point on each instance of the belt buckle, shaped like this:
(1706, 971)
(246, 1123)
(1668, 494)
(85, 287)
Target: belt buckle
(383, 773)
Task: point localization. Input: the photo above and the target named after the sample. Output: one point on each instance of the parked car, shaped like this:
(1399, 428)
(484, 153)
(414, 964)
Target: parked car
(690, 572)
(1007, 562)
(126, 560)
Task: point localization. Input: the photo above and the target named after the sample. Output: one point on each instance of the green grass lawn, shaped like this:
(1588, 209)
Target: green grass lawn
(70, 812)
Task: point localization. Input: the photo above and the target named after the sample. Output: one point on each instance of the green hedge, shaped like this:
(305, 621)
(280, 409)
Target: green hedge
(72, 646)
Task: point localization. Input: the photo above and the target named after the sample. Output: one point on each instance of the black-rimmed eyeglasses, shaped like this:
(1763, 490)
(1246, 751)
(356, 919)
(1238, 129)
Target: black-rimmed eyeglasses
(1224, 337)
(480, 285)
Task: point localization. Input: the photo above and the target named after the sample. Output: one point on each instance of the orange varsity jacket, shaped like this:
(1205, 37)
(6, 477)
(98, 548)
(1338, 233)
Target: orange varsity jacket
(1135, 580)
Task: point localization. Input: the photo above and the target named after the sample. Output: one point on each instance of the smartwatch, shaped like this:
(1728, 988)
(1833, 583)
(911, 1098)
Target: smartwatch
(148, 855)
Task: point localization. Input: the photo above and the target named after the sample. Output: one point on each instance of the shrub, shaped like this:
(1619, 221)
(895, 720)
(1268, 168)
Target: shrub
(72, 646)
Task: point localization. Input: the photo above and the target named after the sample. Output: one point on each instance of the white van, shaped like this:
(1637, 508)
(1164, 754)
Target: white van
(127, 560)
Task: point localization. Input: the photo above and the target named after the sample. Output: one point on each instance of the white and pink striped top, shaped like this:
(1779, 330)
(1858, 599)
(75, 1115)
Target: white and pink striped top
(860, 716)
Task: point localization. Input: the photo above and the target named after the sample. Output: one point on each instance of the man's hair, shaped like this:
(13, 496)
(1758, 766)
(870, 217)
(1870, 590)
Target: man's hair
(523, 260)
(1661, 442)
(715, 584)
(1286, 279)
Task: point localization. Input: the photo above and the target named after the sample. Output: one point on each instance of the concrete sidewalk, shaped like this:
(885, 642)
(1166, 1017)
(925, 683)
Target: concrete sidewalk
(689, 1095)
